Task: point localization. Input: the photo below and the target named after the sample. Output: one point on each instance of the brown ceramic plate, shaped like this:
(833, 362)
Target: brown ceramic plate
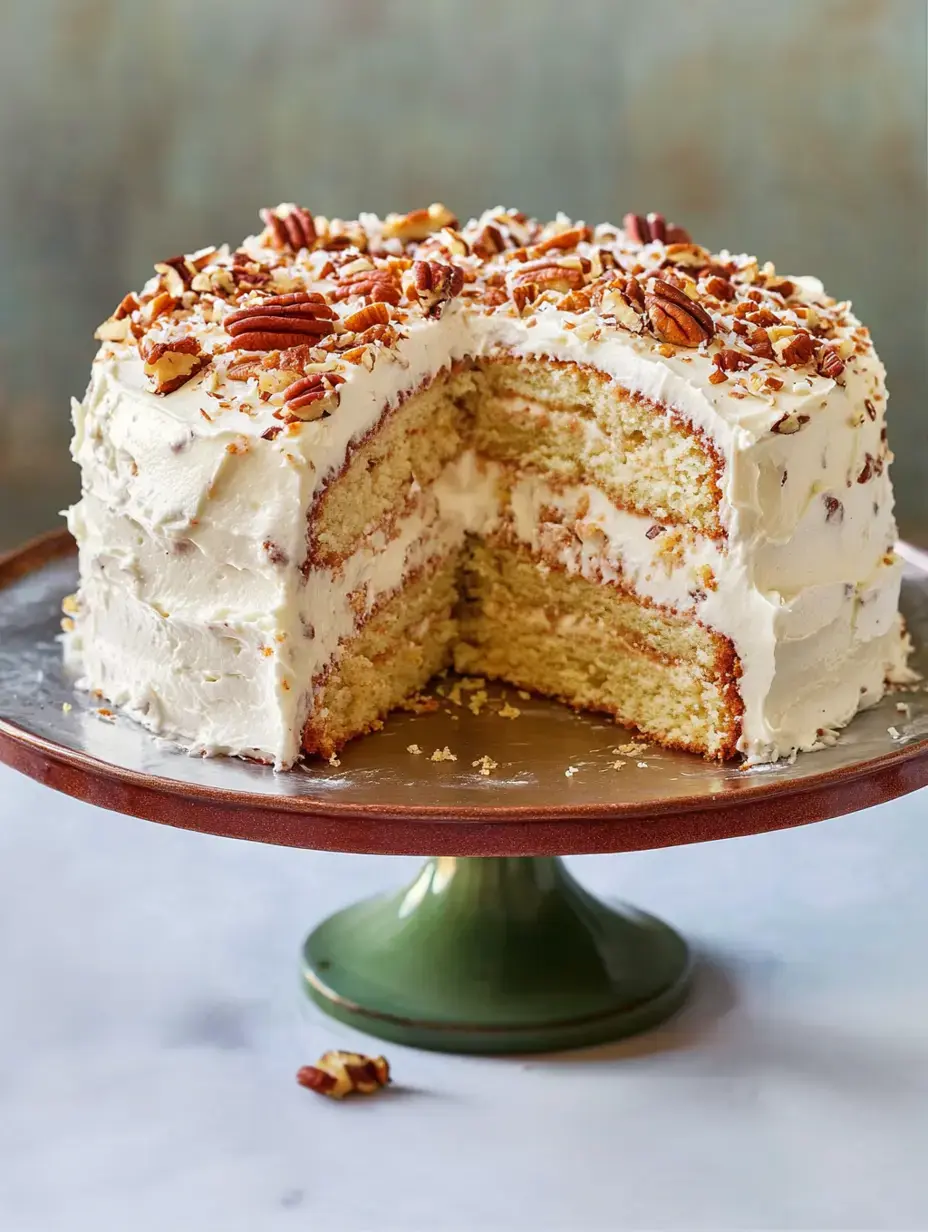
(381, 798)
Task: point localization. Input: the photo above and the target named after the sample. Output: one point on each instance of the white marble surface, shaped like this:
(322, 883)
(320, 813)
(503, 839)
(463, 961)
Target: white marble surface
(152, 1022)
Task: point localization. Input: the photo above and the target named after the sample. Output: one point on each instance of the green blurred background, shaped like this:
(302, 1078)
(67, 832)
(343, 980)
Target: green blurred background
(132, 130)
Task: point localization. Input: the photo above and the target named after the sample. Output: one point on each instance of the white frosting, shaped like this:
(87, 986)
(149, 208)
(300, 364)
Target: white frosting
(195, 615)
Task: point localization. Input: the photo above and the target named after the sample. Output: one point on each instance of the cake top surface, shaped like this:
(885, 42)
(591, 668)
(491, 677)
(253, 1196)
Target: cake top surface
(273, 331)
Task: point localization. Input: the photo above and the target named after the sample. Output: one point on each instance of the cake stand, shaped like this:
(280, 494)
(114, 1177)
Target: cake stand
(504, 952)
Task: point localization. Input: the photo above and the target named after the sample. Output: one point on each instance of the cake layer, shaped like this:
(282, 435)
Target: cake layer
(574, 424)
(403, 643)
(598, 648)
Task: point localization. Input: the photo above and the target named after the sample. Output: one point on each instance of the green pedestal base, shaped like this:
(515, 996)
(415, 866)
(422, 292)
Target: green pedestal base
(495, 956)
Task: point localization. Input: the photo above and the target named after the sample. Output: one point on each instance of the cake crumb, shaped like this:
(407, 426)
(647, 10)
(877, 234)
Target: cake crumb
(525, 696)
(413, 748)
(66, 707)
(486, 764)
(106, 714)
(469, 683)
(444, 754)
(633, 749)
(894, 733)
(419, 703)
(454, 694)
(642, 765)
(508, 712)
(478, 701)
(617, 765)
(904, 708)
(334, 761)
(570, 771)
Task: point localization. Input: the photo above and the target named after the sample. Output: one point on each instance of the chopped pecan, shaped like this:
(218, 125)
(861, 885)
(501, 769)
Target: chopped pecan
(729, 360)
(563, 240)
(760, 344)
(279, 321)
(788, 423)
(644, 230)
(799, 350)
(290, 229)
(116, 327)
(721, 288)
(172, 364)
(177, 274)
(314, 396)
(830, 364)
(419, 224)
(870, 408)
(435, 284)
(488, 242)
(338, 1074)
(834, 510)
(675, 318)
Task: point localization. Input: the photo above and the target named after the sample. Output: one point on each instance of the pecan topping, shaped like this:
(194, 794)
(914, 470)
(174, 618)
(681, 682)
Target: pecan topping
(338, 1074)
(644, 230)
(870, 408)
(313, 397)
(436, 284)
(489, 242)
(564, 239)
(377, 313)
(371, 284)
(294, 229)
(177, 275)
(675, 318)
(280, 321)
(799, 350)
(721, 288)
(760, 344)
(788, 423)
(172, 364)
(729, 360)
(834, 510)
(419, 224)
(830, 363)
(654, 530)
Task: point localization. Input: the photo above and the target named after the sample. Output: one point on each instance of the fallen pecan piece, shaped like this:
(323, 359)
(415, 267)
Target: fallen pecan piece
(279, 321)
(337, 1074)
(172, 364)
(644, 230)
(294, 229)
(435, 284)
(675, 318)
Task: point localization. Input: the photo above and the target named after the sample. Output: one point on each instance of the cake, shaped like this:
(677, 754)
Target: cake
(602, 464)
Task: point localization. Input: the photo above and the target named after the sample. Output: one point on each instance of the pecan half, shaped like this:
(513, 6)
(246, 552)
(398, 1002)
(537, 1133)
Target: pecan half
(675, 318)
(313, 397)
(293, 229)
(172, 364)
(644, 230)
(377, 313)
(280, 321)
(371, 284)
(563, 240)
(721, 288)
(435, 284)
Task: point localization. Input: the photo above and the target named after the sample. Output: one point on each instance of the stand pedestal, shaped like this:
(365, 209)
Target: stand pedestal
(487, 955)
